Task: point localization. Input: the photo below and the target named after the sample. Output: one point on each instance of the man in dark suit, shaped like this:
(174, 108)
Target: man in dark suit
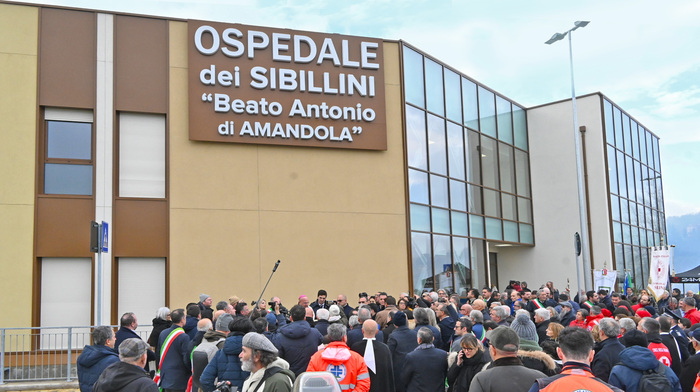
(377, 357)
(127, 330)
(425, 368)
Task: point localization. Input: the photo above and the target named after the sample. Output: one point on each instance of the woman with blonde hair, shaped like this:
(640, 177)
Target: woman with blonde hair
(466, 363)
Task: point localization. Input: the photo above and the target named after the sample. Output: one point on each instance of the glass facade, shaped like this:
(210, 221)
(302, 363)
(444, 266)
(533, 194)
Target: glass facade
(468, 174)
(636, 193)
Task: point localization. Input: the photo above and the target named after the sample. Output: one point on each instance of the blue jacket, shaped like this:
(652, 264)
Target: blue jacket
(91, 362)
(296, 343)
(634, 360)
(225, 365)
(191, 327)
(447, 329)
(425, 369)
(174, 367)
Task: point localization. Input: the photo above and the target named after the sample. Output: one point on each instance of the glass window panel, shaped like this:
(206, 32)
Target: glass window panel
(654, 220)
(645, 263)
(505, 123)
(520, 127)
(460, 259)
(507, 165)
(650, 149)
(626, 234)
(458, 195)
(67, 179)
(631, 189)
(420, 217)
(645, 186)
(643, 145)
(657, 239)
(621, 174)
(442, 261)
(639, 181)
(617, 231)
(455, 150)
(619, 257)
(471, 108)
(473, 158)
(453, 96)
(487, 112)
(633, 213)
(492, 203)
(478, 262)
(417, 143)
(609, 127)
(418, 186)
(460, 224)
(526, 235)
(433, 87)
(650, 238)
(422, 261)
(413, 77)
(638, 271)
(436, 144)
(615, 207)
(657, 164)
(647, 217)
(489, 162)
(612, 170)
(652, 188)
(635, 139)
(510, 231)
(524, 210)
(494, 231)
(635, 235)
(69, 140)
(642, 237)
(475, 204)
(438, 191)
(509, 206)
(627, 134)
(624, 211)
(617, 119)
(476, 226)
(629, 263)
(659, 194)
(441, 220)
(522, 173)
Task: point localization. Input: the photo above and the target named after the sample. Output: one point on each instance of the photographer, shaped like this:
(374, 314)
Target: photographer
(277, 315)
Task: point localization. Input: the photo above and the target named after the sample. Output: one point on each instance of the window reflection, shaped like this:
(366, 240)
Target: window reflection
(487, 112)
(433, 87)
(413, 77)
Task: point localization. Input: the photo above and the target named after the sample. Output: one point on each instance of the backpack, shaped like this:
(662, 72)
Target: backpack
(654, 381)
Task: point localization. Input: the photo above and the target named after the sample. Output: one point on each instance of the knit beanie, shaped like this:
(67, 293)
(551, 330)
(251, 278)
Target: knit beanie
(524, 327)
(399, 319)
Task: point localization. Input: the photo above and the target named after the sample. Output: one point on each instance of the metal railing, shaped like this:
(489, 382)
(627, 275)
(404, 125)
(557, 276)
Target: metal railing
(45, 353)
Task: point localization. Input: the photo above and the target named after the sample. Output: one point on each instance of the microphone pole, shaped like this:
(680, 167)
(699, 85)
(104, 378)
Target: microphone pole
(277, 264)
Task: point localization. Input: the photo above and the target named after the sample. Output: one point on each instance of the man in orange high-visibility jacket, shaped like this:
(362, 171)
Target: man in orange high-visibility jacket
(347, 366)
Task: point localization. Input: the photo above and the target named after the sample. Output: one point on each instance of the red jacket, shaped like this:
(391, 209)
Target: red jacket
(693, 315)
(348, 366)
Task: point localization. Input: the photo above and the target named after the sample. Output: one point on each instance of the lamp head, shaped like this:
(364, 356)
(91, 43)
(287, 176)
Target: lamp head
(581, 23)
(556, 37)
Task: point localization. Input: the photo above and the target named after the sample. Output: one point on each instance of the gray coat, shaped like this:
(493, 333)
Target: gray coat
(505, 374)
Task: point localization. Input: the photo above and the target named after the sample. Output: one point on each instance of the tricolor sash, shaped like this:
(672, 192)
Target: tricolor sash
(538, 304)
(164, 349)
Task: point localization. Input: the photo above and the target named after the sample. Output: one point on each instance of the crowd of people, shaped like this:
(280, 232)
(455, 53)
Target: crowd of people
(516, 340)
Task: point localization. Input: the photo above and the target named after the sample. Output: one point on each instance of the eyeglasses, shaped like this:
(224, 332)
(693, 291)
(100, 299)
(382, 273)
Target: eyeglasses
(469, 348)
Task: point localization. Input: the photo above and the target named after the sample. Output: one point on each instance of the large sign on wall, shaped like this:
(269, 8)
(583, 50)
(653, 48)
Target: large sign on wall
(274, 86)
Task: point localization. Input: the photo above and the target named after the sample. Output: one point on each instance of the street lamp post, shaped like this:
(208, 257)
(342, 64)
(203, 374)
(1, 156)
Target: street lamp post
(579, 165)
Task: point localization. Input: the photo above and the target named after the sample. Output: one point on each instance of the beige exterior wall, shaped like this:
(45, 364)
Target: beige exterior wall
(555, 197)
(18, 61)
(335, 218)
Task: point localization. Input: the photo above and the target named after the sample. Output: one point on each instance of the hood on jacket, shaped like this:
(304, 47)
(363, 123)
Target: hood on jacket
(541, 356)
(91, 355)
(296, 330)
(117, 376)
(190, 323)
(336, 353)
(233, 345)
(213, 336)
(639, 358)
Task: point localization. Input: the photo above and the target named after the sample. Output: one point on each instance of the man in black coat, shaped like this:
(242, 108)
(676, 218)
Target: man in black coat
(610, 347)
(297, 341)
(377, 357)
(127, 330)
(425, 368)
(691, 367)
(401, 342)
(174, 372)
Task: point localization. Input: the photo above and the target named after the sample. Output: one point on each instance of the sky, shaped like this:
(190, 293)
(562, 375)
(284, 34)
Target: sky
(643, 55)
